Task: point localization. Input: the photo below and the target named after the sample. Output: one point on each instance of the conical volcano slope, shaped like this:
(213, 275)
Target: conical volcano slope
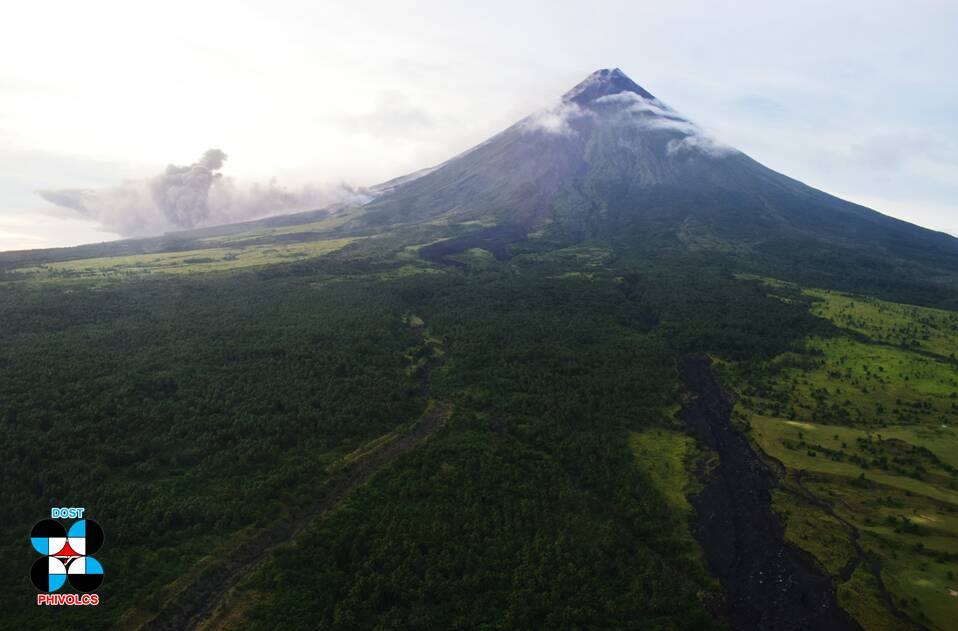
(611, 160)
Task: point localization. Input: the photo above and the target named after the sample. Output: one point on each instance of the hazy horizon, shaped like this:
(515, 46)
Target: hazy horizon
(306, 98)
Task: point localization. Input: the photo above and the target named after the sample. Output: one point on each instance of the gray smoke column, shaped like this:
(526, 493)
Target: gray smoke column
(182, 192)
(195, 195)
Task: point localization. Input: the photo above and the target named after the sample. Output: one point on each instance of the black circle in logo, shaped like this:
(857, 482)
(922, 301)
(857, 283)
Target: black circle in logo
(94, 536)
(48, 574)
(48, 528)
(39, 574)
(85, 582)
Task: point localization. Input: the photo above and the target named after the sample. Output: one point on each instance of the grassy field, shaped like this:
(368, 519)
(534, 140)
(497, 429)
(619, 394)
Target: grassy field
(840, 380)
(910, 525)
(583, 255)
(932, 330)
(326, 224)
(666, 457)
(662, 455)
(895, 324)
(914, 537)
(475, 258)
(188, 262)
(865, 423)
(851, 452)
(859, 597)
(814, 530)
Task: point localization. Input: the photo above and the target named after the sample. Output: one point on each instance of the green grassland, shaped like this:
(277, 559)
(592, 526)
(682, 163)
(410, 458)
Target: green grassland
(859, 597)
(890, 323)
(840, 380)
(814, 530)
(662, 455)
(864, 422)
(915, 540)
(237, 256)
(843, 451)
(324, 225)
(909, 525)
(932, 330)
(475, 258)
(668, 458)
(586, 256)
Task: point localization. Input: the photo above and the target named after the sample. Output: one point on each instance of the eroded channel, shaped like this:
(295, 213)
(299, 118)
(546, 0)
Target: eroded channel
(768, 583)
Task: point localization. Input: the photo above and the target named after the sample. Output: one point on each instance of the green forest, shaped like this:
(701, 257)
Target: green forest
(188, 411)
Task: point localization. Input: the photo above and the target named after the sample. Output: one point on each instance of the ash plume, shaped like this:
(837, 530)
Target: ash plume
(191, 196)
(182, 192)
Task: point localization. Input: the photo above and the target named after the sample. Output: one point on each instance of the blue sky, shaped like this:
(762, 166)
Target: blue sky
(857, 98)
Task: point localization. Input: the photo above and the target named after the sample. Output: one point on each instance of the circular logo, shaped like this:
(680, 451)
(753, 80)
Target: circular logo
(66, 555)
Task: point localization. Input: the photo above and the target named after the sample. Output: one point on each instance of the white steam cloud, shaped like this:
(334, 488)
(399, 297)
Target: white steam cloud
(555, 120)
(636, 103)
(647, 114)
(192, 196)
(654, 114)
(700, 143)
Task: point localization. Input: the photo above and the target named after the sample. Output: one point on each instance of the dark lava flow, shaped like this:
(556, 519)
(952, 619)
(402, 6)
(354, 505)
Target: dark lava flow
(768, 583)
(496, 239)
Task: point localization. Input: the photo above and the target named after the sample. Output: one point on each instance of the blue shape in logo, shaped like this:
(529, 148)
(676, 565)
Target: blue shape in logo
(66, 558)
(78, 529)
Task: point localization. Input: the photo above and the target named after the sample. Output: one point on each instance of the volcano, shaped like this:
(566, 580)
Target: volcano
(611, 161)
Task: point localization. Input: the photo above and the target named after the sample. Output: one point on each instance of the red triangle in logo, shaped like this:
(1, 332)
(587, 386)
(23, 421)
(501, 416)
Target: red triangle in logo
(67, 551)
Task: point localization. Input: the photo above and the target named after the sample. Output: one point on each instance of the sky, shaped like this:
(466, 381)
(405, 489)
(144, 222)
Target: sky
(858, 98)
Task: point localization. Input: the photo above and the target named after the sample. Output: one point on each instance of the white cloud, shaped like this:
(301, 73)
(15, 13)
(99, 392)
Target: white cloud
(654, 114)
(555, 120)
(638, 104)
(701, 143)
